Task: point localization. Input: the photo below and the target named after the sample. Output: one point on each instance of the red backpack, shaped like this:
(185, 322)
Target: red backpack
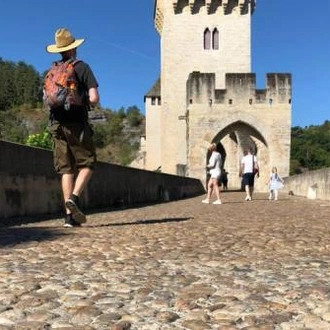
(61, 87)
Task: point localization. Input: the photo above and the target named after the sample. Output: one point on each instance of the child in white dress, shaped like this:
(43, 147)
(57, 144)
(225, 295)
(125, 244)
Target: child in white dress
(275, 183)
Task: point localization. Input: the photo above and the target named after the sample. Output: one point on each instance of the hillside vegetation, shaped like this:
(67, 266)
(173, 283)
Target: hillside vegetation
(310, 148)
(24, 120)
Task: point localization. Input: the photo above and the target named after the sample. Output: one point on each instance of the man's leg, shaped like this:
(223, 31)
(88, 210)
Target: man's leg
(72, 203)
(248, 192)
(251, 191)
(67, 187)
(82, 180)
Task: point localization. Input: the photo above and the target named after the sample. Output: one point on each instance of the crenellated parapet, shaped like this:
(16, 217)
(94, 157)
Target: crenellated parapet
(158, 17)
(212, 6)
(227, 6)
(240, 88)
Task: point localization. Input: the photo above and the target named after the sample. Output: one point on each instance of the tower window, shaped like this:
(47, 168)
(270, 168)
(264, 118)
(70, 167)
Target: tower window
(207, 39)
(211, 40)
(215, 39)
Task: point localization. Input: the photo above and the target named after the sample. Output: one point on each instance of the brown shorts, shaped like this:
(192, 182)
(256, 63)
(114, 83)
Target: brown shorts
(73, 147)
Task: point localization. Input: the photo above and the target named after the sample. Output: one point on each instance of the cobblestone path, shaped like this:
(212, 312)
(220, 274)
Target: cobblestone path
(178, 265)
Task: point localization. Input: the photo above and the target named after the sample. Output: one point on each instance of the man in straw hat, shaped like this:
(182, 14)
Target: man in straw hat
(74, 151)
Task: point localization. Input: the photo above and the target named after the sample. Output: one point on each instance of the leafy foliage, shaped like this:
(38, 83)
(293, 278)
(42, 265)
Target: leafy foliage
(117, 137)
(23, 119)
(310, 148)
(12, 126)
(133, 116)
(41, 140)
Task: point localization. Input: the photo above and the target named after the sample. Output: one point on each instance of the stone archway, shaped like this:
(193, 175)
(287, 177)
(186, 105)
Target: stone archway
(232, 141)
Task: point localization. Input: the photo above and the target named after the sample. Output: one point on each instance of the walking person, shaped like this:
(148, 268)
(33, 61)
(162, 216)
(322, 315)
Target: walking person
(224, 179)
(275, 183)
(248, 170)
(214, 166)
(73, 147)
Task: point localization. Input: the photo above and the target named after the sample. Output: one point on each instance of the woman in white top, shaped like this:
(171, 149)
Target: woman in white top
(214, 166)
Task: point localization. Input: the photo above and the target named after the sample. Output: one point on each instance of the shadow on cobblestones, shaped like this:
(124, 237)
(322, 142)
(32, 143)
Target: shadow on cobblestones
(24, 220)
(144, 222)
(14, 236)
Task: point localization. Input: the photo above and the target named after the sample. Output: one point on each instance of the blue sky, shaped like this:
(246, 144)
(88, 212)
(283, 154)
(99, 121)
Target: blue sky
(123, 48)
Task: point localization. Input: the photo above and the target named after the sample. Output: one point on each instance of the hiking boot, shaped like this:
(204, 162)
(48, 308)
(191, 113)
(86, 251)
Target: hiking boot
(69, 222)
(73, 205)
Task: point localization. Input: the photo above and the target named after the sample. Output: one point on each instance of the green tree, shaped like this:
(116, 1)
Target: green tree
(7, 86)
(19, 84)
(134, 117)
(310, 148)
(12, 127)
(28, 85)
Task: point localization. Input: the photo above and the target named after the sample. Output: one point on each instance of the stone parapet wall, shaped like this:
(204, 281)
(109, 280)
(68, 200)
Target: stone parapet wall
(29, 185)
(313, 184)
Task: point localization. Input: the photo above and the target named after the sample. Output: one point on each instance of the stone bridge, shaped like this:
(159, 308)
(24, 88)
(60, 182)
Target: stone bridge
(176, 265)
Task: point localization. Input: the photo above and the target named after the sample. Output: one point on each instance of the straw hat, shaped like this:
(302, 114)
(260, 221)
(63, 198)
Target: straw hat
(64, 41)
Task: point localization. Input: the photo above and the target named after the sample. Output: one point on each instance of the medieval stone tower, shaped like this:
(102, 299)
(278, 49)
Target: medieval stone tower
(206, 93)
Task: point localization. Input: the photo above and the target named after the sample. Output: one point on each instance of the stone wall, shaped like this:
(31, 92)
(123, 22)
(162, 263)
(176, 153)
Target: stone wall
(313, 184)
(29, 186)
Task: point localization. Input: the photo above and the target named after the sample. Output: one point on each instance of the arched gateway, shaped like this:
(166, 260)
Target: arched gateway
(206, 93)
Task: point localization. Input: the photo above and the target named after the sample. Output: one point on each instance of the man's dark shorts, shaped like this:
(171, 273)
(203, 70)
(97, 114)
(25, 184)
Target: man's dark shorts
(73, 147)
(248, 179)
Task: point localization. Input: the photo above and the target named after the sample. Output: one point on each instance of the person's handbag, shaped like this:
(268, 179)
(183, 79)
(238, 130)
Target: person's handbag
(255, 169)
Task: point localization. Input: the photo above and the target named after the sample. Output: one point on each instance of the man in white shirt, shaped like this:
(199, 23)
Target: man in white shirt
(249, 168)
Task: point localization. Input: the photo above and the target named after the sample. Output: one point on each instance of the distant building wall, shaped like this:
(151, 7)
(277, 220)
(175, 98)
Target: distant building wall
(29, 185)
